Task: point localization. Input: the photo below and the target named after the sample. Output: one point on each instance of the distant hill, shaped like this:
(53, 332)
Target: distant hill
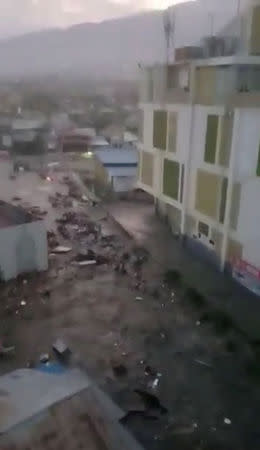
(108, 49)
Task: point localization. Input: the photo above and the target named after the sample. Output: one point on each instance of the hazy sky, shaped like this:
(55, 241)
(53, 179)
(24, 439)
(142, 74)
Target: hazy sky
(18, 16)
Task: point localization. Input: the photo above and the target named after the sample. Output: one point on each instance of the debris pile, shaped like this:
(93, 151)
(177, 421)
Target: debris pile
(60, 200)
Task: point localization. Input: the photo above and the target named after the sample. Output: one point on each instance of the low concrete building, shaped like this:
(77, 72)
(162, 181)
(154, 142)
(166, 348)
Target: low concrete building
(23, 242)
(116, 168)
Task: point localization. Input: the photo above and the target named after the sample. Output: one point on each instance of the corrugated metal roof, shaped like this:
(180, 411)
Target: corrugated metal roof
(117, 156)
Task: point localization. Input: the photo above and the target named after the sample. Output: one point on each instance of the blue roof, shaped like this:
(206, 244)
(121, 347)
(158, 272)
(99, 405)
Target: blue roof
(118, 156)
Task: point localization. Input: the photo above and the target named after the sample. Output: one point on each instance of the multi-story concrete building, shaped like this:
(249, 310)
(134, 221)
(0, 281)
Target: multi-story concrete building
(200, 151)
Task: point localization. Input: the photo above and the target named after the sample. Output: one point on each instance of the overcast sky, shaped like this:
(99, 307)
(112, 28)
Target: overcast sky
(19, 16)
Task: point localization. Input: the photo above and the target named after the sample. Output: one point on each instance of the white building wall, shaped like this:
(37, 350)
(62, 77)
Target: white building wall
(24, 248)
(248, 227)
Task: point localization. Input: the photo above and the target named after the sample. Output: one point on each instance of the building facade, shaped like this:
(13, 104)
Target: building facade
(200, 151)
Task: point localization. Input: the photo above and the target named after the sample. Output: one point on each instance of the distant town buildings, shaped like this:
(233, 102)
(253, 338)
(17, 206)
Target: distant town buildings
(200, 151)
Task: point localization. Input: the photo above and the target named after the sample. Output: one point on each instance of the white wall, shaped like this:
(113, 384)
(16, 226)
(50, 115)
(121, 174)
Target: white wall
(23, 249)
(248, 230)
(248, 141)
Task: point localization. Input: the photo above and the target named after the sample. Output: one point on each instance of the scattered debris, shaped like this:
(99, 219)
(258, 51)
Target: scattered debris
(23, 303)
(52, 239)
(120, 370)
(6, 350)
(149, 371)
(139, 298)
(155, 383)
(198, 323)
(44, 358)
(203, 363)
(151, 402)
(227, 421)
(60, 249)
(85, 263)
(172, 277)
(60, 347)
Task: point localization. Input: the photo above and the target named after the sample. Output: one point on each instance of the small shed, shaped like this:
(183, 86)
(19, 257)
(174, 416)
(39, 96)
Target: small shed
(117, 167)
(23, 242)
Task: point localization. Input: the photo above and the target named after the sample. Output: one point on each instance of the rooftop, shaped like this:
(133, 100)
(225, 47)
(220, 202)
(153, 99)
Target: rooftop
(13, 215)
(118, 156)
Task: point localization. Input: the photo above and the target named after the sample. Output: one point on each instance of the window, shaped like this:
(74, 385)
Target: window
(203, 229)
(147, 168)
(172, 132)
(160, 129)
(258, 163)
(182, 182)
(207, 193)
(211, 139)
(223, 200)
(171, 173)
(226, 140)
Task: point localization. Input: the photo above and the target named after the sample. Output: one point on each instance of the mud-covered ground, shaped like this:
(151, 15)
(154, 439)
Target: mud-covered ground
(111, 319)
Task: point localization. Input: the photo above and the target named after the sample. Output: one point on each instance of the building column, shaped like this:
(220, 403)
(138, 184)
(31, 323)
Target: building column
(235, 136)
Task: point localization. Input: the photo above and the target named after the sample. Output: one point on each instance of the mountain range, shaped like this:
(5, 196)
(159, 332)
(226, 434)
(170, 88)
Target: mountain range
(112, 48)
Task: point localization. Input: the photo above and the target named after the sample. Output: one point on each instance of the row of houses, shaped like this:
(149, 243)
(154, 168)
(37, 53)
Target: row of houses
(200, 150)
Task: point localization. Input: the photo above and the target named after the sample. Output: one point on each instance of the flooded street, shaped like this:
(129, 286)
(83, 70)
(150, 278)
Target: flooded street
(132, 331)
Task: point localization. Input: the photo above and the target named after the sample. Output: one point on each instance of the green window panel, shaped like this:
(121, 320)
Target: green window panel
(207, 193)
(211, 139)
(182, 182)
(160, 129)
(171, 173)
(172, 132)
(223, 200)
(203, 228)
(258, 163)
(147, 168)
(255, 31)
(141, 125)
(226, 140)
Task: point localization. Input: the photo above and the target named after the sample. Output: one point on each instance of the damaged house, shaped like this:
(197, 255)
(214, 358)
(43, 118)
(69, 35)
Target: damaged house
(29, 142)
(23, 242)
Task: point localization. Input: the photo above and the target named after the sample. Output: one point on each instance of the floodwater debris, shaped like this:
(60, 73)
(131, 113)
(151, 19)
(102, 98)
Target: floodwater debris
(60, 249)
(44, 358)
(85, 263)
(120, 370)
(60, 347)
(155, 383)
(203, 363)
(227, 421)
(6, 350)
(150, 401)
